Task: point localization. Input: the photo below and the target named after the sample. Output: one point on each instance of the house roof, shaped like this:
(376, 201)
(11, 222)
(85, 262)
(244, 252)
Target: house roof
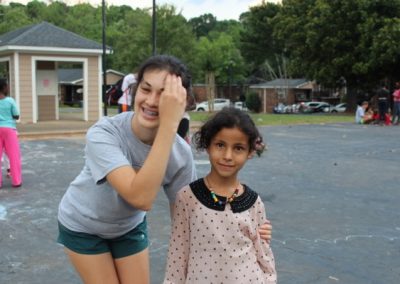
(281, 84)
(74, 76)
(69, 76)
(46, 35)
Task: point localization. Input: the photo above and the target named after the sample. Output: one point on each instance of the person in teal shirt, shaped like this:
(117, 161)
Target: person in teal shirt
(9, 143)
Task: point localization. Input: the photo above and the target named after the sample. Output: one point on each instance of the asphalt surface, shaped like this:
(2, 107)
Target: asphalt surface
(331, 193)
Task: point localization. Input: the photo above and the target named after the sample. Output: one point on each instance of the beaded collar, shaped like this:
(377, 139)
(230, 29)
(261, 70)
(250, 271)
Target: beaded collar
(241, 203)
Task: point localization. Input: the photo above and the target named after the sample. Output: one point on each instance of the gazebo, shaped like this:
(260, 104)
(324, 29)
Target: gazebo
(32, 55)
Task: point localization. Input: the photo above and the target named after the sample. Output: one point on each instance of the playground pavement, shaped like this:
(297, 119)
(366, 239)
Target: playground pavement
(331, 192)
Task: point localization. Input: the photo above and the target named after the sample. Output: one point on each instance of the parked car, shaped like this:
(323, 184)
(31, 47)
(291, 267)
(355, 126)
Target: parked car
(310, 107)
(339, 107)
(241, 106)
(218, 105)
(279, 108)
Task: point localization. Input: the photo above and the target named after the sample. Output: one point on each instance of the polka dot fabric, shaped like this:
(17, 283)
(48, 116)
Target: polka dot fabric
(213, 246)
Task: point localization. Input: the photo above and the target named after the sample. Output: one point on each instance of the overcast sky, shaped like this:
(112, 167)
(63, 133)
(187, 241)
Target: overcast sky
(222, 9)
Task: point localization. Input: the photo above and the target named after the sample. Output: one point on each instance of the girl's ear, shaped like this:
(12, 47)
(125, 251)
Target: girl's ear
(251, 154)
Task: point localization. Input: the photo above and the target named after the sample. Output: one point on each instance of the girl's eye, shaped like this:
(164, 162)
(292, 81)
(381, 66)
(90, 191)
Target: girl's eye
(219, 145)
(145, 90)
(239, 148)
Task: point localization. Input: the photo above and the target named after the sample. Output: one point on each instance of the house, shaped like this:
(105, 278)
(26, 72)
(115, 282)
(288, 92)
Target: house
(70, 81)
(287, 91)
(32, 55)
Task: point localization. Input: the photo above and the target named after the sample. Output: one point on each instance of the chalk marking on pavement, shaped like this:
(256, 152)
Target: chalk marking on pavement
(201, 162)
(3, 212)
(334, 241)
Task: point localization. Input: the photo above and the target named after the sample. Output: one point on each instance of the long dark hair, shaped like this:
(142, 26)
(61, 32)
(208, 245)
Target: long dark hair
(170, 64)
(3, 86)
(228, 117)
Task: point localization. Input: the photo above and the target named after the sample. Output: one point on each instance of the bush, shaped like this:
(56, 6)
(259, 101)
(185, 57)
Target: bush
(253, 102)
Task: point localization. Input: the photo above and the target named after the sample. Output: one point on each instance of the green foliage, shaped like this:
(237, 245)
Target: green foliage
(257, 41)
(13, 18)
(203, 24)
(253, 102)
(220, 55)
(199, 117)
(320, 40)
(328, 39)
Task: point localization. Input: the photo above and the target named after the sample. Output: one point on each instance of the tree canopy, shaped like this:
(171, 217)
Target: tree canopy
(320, 40)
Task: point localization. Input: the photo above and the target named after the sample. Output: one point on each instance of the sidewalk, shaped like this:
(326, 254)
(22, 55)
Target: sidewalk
(61, 129)
(53, 129)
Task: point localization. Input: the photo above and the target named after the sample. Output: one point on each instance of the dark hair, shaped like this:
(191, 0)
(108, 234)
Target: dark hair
(3, 84)
(228, 117)
(168, 63)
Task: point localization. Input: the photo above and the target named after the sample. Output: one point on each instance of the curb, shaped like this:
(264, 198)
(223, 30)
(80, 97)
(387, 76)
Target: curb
(51, 135)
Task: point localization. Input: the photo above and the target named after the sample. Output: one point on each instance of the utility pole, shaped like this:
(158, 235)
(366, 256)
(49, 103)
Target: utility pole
(104, 100)
(154, 28)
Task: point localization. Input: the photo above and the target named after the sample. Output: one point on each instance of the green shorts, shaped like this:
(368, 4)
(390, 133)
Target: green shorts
(130, 243)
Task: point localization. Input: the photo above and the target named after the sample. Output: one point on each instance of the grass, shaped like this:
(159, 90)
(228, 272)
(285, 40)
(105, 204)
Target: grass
(285, 119)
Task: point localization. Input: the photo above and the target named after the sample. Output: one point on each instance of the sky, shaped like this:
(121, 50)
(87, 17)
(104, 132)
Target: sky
(222, 9)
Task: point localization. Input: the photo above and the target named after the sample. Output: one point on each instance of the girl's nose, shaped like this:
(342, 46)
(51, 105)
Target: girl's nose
(152, 99)
(228, 154)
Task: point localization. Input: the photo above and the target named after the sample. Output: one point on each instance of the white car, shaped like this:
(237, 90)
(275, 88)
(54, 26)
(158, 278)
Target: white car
(339, 108)
(310, 107)
(218, 105)
(241, 106)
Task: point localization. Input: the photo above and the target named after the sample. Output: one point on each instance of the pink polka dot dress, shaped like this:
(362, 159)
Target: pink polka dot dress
(218, 242)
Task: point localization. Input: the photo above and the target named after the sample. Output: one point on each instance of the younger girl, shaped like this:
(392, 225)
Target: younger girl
(214, 231)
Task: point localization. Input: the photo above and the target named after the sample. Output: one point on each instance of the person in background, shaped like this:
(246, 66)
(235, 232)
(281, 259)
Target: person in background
(362, 117)
(215, 224)
(184, 125)
(9, 113)
(125, 101)
(396, 105)
(383, 95)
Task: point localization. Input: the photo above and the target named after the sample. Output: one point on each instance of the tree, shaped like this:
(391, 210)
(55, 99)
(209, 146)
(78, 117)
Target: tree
(174, 36)
(35, 10)
(219, 60)
(257, 43)
(129, 34)
(85, 20)
(253, 102)
(56, 13)
(203, 24)
(13, 18)
(326, 40)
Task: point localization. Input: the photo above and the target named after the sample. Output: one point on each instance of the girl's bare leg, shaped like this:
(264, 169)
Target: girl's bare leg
(94, 269)
(134, 269)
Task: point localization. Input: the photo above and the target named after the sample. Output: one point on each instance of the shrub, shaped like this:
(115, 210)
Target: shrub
(253, 102)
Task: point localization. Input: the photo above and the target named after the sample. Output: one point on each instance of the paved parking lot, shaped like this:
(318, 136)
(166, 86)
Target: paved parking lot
(331, 192)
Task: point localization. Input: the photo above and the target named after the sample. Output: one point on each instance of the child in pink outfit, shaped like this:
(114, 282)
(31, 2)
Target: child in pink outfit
(8, 134)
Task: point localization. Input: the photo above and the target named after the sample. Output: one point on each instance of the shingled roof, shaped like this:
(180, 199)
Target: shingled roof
(46, 35)
(282, 84)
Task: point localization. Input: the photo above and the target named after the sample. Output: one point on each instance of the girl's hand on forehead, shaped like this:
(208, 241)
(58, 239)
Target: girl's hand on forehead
(172, 100)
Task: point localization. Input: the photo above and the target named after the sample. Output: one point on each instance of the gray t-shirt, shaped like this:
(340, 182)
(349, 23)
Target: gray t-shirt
(90, 204)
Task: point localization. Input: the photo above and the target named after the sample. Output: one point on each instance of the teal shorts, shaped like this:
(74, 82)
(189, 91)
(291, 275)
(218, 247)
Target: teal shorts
(130, 243)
